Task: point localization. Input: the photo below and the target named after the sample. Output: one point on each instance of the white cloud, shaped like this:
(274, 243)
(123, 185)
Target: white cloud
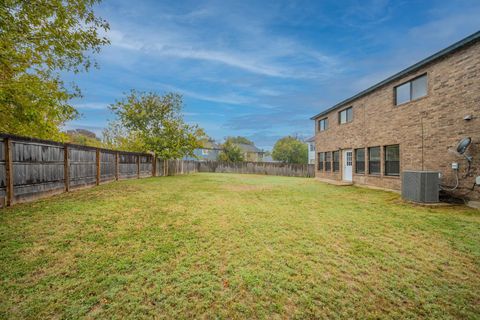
(228, 98)
(257, 53)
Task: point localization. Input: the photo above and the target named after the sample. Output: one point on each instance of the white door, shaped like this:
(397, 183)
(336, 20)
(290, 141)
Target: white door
(347, 165)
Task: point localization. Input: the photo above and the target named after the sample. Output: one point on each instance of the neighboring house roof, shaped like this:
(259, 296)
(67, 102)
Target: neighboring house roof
(211, 144)
(468, 40)
(248, 148)
(311, 139)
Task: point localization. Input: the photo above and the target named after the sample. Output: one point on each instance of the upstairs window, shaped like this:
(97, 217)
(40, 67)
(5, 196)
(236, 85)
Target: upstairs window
(392, 160)
(336, 161)
(328, 161)
(360, 160)
(411, 90)
(374, 160)
(312, 147)
(345, 116)
(323, 124)
(321, 159)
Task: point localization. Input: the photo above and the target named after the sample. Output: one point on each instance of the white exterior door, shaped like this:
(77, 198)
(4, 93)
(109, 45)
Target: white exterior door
(347, 165)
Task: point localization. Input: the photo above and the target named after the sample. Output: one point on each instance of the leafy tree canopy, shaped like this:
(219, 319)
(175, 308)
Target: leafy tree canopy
(117, 137)
(230, 152)
(240, 139)
(290, 150)
(156, 124)
(83, 137)
(39, 40)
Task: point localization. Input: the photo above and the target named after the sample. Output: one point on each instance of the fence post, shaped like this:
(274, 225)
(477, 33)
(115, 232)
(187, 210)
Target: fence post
(66, 168)
(9, 170)
(138, 166)
(154, 166)
(98, 166)
(116, 165)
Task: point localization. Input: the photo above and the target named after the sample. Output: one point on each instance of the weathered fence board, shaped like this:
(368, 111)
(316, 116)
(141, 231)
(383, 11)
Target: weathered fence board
(146, 166)
(160, 167)
(37, 169)
(127, 166)
(83, 166)
(175, 167)
(107, 165)
(3, 179)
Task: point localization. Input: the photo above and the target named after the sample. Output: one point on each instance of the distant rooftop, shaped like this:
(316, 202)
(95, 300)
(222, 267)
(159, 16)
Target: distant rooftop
(248, 148)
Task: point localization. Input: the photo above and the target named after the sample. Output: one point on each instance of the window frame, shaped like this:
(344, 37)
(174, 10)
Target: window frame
(321, 160)
(356, 161)
(385, 161)
(410, 85)
(336, 162)
(370, 162)
(325, 124)
(346, 111)
(328, 161)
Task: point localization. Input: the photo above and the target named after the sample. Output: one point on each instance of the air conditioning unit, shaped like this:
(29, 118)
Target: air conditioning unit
(420, 186)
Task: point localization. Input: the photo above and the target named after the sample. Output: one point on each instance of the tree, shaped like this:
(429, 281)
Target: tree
(117, 137)
(38, 41)
(157, 123)
(290, 150)
(83, 137)
(240, 140)
(230, 152)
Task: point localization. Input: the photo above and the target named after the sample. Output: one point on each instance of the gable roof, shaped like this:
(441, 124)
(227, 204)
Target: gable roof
(457, 45)
(248, 147)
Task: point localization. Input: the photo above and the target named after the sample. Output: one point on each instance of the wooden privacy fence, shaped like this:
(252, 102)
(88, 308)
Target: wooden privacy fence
(33, 168)
(267, 168)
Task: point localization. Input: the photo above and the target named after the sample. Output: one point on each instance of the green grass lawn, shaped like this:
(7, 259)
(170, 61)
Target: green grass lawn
(237, 246)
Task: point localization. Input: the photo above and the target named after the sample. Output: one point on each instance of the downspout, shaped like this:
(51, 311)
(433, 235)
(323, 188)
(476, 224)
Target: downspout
(423, 138)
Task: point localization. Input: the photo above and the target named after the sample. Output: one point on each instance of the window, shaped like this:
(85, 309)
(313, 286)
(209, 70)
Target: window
(411, 90)
(312, 147)
(345, 116)
(360, 160)
(204, 152)
(321, 159)
(323, 124)
(336, 161)
(374, 160)
(328, 161)
(392, 160)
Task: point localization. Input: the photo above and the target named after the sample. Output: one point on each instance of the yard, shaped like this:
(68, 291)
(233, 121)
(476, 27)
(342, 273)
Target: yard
(237, 246)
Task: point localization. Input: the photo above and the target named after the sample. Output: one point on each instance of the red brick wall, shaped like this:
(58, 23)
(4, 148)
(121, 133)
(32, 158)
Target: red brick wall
(453, 92)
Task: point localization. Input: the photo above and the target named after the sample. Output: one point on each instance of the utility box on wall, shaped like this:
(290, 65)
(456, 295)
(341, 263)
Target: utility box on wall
(420, 186)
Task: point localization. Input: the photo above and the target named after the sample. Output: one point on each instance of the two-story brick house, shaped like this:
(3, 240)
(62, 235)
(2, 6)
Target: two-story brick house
(412, 120)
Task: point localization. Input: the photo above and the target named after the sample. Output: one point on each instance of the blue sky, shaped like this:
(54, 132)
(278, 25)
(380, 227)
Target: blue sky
(261, 69)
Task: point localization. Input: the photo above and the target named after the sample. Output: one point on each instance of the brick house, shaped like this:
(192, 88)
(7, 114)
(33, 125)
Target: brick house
(412, 120)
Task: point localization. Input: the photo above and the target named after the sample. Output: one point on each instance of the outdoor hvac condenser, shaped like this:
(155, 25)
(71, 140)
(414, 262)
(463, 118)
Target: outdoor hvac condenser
(420, 186)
